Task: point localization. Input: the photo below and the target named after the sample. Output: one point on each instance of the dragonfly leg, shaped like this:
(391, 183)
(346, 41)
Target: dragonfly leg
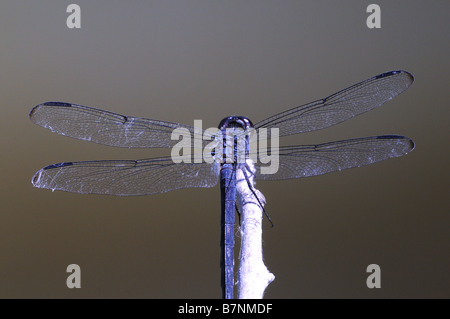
(250, 186)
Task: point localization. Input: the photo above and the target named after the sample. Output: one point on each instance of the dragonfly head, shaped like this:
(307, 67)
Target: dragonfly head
(235, 121)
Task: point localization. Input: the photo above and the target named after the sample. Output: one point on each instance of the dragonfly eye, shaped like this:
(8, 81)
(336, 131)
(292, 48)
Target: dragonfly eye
(236, 121)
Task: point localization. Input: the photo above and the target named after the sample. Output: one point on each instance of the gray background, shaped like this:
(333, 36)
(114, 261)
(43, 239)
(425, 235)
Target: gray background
(186, 60)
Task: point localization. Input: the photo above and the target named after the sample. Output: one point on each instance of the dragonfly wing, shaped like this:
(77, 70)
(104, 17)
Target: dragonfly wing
(126, 177)
(104, 127)
(341, 106)
(311, 160)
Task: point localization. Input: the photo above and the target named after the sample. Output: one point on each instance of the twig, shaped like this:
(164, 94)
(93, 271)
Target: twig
(253, 275)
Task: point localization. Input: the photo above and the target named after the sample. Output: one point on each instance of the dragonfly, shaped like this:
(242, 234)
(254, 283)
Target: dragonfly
(162, 174)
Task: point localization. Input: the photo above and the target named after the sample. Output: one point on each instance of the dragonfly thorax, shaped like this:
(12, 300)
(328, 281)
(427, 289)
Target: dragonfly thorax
(235, 130)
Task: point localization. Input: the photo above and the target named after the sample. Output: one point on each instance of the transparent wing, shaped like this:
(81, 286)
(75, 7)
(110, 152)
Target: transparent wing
(125, 178)
(311, 160)
(108, 128)
(341, 106)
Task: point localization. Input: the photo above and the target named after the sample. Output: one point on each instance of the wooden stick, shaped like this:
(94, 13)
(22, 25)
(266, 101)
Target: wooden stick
(253, 275)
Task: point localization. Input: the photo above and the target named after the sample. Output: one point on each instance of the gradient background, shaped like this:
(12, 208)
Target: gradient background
(186, 60)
